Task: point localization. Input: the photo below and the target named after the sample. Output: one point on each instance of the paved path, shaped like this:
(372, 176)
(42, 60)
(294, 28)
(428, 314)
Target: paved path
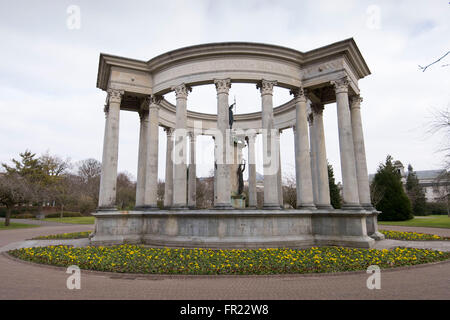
(21, 280)
(438, 231)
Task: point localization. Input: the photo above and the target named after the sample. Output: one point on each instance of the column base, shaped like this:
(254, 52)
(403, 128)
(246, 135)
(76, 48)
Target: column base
(308, 206)
(368, 206)
(147, 208)
(272, 206)
(179, 207)
(351, 206)
(100, 209)
(223, 206)
(324, 206)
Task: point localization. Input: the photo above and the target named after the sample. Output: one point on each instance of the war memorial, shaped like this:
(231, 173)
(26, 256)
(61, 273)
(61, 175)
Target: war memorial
(315, 78)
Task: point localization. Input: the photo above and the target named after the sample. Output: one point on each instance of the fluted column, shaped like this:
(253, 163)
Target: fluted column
(192, 183)
(313, 155)
(323, 200)
(180, 156)
(270, 154)
(360, 153)
(168, 184)
(143, 143)
(108, 178)
(151, 171)
(252, 202)
(346, 146)
(223, 182)
(305, 196)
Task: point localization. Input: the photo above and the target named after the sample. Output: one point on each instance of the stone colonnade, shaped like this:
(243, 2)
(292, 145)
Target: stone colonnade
(180, 180)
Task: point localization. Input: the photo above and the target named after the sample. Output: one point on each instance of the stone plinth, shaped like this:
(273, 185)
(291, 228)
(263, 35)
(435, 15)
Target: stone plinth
(234, 228)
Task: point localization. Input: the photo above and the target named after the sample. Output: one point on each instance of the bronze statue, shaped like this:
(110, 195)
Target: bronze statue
(230, 115)
(240, 170)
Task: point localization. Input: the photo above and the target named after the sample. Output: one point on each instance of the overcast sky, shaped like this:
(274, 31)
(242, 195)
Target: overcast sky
(49, 100)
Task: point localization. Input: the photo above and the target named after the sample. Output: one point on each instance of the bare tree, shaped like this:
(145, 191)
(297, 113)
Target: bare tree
(436, 61)
(290, 191)
(440, 123)
(14, 190)
(89, 171)
(376, 193)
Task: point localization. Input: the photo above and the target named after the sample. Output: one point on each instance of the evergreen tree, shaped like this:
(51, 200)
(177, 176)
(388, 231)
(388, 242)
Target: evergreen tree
(415, 193)
(394, 203)
(335, 195)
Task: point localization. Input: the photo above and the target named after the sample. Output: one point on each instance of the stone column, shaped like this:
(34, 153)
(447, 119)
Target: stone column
(323, 199)
(180, 156)
(305, 196)
(270, 154)
(313, 153)
(279, 173)
(168, 184)
(223, 182)
(346, 146)
(215, 171)
(143, 143)
(360, 153)
(192, 184)
(151, 171)
(108, 178)
(251, 171)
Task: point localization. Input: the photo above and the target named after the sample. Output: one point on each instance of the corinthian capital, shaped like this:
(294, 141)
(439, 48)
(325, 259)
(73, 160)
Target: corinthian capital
(182, 91)
(114, 95)
(299, 93)
(266, 86)
(355, 101)
(341, 85)
(154, 101)
(222, 85)
(169, 132)
(317, 108)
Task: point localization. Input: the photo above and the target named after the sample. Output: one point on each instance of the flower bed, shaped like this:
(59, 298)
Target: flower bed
(399, 235)
(140, 259)
(73, 235)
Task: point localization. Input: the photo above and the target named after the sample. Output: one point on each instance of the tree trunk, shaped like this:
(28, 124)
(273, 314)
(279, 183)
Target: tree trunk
(7, 216)
(62, 211)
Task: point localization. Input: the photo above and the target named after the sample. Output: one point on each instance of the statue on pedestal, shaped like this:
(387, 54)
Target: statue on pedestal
(240, 171)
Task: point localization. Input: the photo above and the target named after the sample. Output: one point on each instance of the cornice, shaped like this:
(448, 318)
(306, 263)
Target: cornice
(347, 47)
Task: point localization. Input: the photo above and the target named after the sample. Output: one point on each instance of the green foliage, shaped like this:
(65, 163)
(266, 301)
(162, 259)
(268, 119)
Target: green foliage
(65, 214)
(394, 203)
(28, 166)
(335, 195)
(415, 193)
(411, 236)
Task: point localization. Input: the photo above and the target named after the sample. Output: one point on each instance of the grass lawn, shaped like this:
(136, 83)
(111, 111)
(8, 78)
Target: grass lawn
(15, 225)
(435, 221)
(74, 220)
